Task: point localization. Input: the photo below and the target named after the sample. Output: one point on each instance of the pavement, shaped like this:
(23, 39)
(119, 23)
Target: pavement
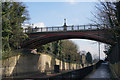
(102, 73)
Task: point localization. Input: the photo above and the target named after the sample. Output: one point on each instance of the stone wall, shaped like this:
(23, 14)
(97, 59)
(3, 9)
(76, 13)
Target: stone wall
(116, 69)
(28, 64)
(8, 65)
(114, 59)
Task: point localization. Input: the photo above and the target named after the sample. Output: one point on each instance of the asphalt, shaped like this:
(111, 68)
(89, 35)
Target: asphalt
(102, 73)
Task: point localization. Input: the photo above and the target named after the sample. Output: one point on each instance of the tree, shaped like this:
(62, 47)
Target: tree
(6, 28)
(56, 47)
(64, 49)
(89, 58)
(69, 48)
(108, 13)
(13, 15)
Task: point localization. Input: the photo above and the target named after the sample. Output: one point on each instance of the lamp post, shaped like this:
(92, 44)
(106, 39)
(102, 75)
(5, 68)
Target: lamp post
(65, 26)
(98, 43)
(99, 49)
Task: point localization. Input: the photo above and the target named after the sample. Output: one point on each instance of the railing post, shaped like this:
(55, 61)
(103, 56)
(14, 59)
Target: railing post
(78, 27)
(97, 26)
(84, 27)
(58, 28)
(72, 27)
(90, 26)
(47, 29)
(52, 28)
(32, 29)
(41, 29)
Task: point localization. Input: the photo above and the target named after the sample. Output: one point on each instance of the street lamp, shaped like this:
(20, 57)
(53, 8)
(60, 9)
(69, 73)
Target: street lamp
(65, 26)
(99, 49)
(98, 43)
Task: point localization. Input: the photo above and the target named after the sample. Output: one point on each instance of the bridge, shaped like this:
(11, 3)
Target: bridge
(44, 35)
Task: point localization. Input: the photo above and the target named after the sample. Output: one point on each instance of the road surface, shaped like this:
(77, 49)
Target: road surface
(103, 72)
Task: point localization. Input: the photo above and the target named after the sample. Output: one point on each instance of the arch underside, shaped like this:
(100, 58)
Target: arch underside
(36, 42)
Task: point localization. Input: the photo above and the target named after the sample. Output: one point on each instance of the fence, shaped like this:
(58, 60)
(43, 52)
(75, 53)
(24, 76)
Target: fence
(65, 28)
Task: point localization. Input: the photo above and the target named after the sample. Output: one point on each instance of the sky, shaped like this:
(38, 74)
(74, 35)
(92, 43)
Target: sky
(47, 14)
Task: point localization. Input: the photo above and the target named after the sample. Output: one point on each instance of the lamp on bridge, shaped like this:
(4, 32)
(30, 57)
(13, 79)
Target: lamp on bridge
(65, 26)
(64, 22)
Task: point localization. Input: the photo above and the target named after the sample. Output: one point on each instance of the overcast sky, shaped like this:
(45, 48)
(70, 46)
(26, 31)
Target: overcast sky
(48, 14)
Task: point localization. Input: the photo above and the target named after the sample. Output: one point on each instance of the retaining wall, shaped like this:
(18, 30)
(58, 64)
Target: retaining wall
(32, 63)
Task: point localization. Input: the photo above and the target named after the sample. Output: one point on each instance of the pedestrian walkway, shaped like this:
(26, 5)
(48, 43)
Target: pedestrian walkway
(103, 72)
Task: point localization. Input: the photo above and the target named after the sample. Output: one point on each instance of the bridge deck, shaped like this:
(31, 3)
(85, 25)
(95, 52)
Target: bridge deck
(102, 72)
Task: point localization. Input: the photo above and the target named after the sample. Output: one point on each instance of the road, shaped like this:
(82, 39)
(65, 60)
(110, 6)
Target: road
(103, 72)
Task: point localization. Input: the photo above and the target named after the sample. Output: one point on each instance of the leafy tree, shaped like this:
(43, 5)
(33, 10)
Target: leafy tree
(64, 49)
(13, 15)
(45, 48)
(89, 58)
(6, 28)
(69, 48)
(56, 47)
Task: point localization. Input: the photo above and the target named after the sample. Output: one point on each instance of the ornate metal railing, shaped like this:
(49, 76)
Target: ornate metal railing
(65, 28)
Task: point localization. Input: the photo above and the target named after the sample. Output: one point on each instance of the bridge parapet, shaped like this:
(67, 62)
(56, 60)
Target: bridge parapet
(66, 28)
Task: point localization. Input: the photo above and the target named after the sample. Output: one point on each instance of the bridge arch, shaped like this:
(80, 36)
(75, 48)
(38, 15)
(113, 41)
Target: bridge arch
(41, 38)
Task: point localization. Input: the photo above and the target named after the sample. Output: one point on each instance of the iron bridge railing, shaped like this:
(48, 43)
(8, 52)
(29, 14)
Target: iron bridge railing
(65, 28)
